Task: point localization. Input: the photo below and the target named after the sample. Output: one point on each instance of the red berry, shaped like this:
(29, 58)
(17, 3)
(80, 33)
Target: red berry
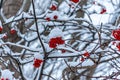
(63, 51)
(86, 54)
(47, 18)
(12, 31)
(75, 1)
(103, 11)
(82, 59)
(118, 46)
(1, 28)
(37, 63)
(4, 36)
(113, 43)
(55, 17)
(116, 34)
(53, 7)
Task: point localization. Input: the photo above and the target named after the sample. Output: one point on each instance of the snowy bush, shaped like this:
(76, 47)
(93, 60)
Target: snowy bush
(59, 40)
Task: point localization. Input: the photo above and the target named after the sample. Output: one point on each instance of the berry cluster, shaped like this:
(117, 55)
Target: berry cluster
(37, 63)
(56, 41)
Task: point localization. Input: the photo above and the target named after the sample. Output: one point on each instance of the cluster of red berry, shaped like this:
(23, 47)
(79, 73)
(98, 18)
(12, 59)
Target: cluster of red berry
(53, 8)
(4, 79)
(85, 55)
(116, 35)
(56, 41)
(37, 63)
(12, 31)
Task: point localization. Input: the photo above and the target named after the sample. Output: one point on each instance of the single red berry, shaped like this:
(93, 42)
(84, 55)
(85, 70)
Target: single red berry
(5, 36)
(55, 17)
(103, 11)
(86, 54)
(116, 34)
(82, 59)
(63, 51)
(53, 7)
(47, 18)
(1, 28)
(75, 1)
(12, 31)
